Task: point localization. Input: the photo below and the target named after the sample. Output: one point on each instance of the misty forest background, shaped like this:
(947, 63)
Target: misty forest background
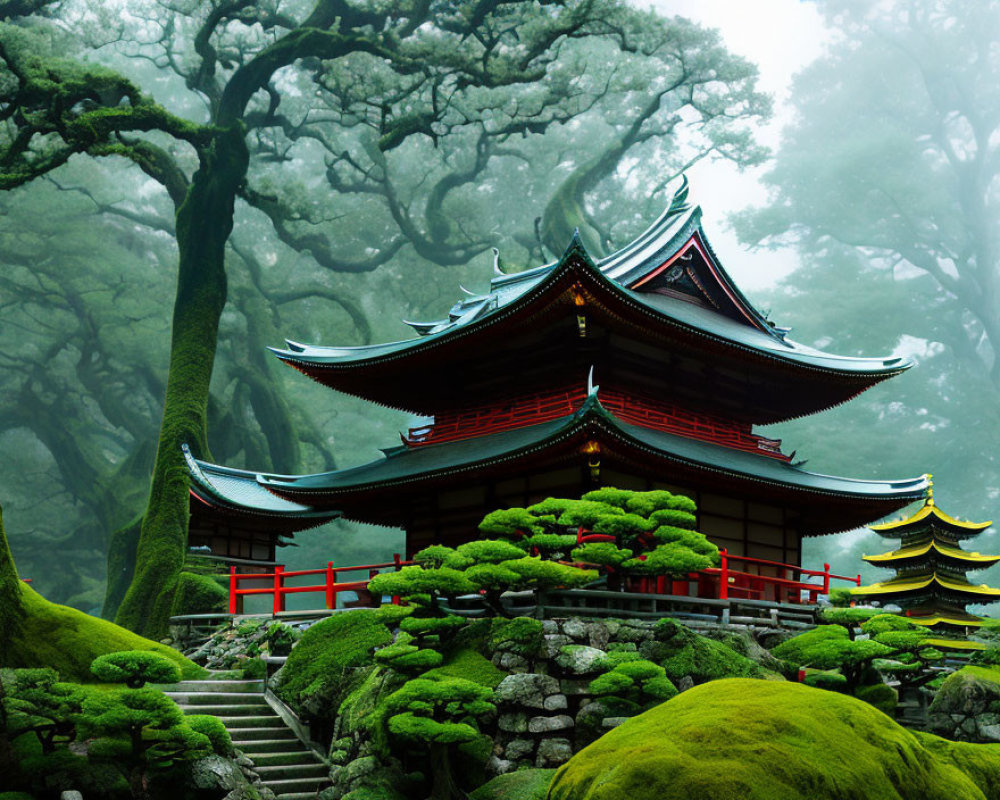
(372, 193)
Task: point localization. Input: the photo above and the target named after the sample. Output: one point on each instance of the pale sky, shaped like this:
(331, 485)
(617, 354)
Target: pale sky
(781, 37)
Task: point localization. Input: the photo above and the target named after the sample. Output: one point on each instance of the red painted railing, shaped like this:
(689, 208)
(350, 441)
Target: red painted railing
(739, 583)
(330, 587)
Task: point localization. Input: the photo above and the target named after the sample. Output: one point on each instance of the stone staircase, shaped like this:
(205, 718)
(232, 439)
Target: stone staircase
(286, 766)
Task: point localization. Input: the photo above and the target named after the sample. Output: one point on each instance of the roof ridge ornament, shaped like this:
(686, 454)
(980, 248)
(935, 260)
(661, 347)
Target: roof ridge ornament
(678, 203)
(497, 268)
(930, 490)
(592, 389)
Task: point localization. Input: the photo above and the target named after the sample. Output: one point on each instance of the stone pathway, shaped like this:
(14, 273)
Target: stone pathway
(286, 766)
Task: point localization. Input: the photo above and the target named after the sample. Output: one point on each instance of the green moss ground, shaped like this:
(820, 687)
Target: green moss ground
(471, 665)
(68, 640)
(740, 739)
(525, 784)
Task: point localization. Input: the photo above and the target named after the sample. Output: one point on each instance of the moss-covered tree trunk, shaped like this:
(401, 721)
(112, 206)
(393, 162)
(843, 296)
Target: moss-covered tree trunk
(204, 222)
(11, 607)
(443, 785)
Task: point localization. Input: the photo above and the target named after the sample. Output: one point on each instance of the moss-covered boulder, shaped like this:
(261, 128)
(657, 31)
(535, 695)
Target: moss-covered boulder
(763, 740)
(967, 706)
(68, 641)
(686, 655)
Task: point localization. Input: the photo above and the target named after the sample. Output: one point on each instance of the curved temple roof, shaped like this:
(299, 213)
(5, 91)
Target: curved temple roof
(238, 491)
(916, 552)
(726, 316)
(301, 495)
(929, 511)
(904, 585)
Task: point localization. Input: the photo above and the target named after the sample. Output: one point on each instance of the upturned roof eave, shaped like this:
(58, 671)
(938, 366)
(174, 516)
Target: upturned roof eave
(576, 259)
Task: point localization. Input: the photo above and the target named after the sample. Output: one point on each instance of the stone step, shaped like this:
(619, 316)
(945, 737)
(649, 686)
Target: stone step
(297, 796)
(269, 746)
(261, 734)
(263, 759)
(251, 721)
(285, 785)
(228, 711)
(291, 771)
(227, 685)
(216, 698)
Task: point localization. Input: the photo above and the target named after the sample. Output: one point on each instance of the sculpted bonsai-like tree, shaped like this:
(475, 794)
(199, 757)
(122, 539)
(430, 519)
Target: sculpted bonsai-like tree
(435, 716)
(625, 533)
(489, 567)
(135, 668)
(894, 646)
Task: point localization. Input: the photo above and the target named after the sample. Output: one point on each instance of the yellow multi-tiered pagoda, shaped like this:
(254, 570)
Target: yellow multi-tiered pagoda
(931, 584)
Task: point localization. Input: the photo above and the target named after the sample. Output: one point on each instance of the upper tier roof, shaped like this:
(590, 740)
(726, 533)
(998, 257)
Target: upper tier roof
(930, 515)
(918, 553)
(666, 289)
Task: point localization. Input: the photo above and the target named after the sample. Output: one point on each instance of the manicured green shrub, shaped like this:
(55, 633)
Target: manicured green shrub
(521, 635)
(408, 658)
(637, 680)
(840, 598)
(603, 554)
(214, 729)
(525, 784)
(683, 653)
(883, 697)
(135, 668)
(199, 594)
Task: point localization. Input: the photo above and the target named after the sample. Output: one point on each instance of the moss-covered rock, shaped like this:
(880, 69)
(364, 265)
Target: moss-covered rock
(69, 640)
(525, 784)
(11, 605)
(318, 674)
(763, 740)
(967, 705)
(685, 654)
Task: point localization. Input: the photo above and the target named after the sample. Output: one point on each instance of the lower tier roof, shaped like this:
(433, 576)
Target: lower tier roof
(378, 492)
(932, 551)
(927, 583)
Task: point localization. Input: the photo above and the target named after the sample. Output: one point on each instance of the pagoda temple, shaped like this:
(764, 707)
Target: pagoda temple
(930, 583)
(683, 367)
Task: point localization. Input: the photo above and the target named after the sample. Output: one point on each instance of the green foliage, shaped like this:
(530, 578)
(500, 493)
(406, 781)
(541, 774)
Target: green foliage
(525, 784)
(637, 680)
(536, 573)
(840, 598)
(550, 544)
(408, 658)
(613, 497)
(435, 556)
(69, 640)
(510, 522)
(648, 503)
(426, 710)
(848, 617)
(670, 560)
(674, 518)
(320, 666)
(604, 554)
(521, 635)
(587, 513)
(626, 527)
(441, 582)
(886, 623)
(214, 729)
(832, 681)
(199, 594)
(791, 741)
(135, 668)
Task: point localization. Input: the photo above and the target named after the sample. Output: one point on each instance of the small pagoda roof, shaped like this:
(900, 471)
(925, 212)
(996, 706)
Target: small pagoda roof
(908, 584)
(957, 617)
(917, 552)
(930, 514)
(700, 304)
(420, 466)
(226, 491)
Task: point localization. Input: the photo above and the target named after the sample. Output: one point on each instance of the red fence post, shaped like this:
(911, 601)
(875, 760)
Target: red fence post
(826, 579)
(397, 561)
(279, 597)
(232, 590)
(723, 574)
(331, 596)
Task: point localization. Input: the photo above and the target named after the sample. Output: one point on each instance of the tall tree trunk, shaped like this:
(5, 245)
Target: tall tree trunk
(204, 222)
(11, 607)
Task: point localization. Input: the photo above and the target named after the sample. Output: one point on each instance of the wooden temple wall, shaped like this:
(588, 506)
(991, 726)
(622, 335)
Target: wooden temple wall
(742, 526)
